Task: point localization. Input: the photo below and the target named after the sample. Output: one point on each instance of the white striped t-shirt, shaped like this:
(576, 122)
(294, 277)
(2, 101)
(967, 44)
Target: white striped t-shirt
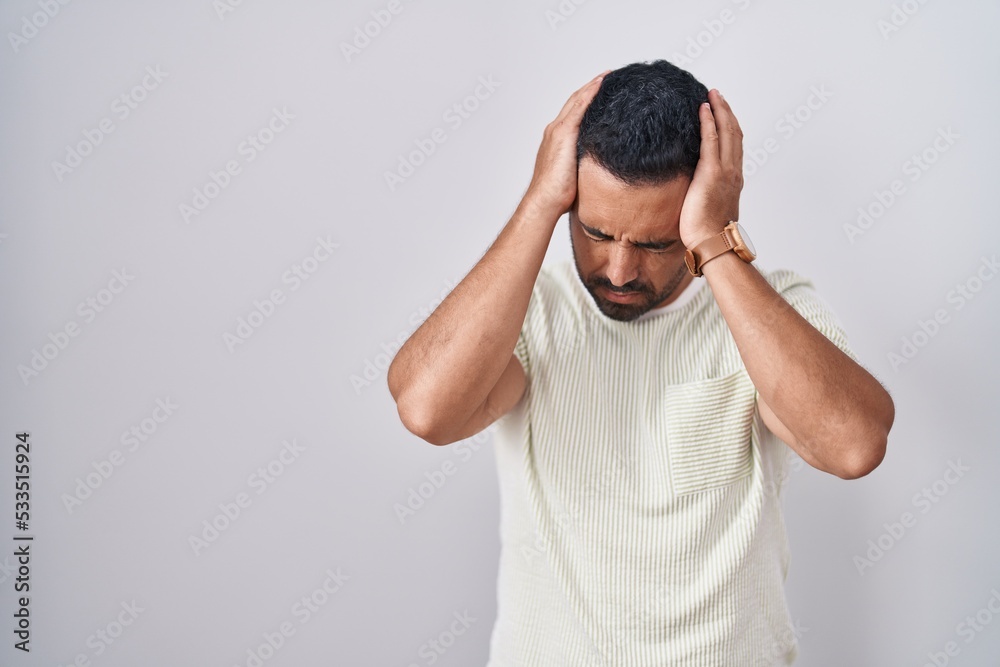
(640, 514)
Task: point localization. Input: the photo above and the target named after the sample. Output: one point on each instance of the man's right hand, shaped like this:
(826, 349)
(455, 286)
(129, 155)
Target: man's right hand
(553, 185)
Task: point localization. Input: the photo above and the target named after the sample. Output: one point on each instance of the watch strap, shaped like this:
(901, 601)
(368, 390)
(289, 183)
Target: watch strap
(709, 249)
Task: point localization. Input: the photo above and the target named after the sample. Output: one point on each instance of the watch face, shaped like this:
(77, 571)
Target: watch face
(746, 239)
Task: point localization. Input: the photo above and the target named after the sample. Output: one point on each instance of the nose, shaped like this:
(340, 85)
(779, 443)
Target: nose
(623, 265)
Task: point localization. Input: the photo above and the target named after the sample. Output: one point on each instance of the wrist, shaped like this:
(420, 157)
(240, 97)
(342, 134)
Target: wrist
(535, 207)
(703, 234)
(722, 264)
(732, 240)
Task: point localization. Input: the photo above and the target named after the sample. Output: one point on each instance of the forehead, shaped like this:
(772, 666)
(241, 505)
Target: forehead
(606, 203)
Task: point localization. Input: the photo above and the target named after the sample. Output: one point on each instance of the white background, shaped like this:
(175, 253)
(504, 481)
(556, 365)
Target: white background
(64, 232)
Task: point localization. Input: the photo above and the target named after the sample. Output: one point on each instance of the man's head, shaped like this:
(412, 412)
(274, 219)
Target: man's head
(637, 150)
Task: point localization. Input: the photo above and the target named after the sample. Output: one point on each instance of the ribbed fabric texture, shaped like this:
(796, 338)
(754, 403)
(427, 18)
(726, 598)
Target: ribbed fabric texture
(640, 491)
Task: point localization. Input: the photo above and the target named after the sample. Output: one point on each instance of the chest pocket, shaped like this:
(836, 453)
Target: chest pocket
(708, 429)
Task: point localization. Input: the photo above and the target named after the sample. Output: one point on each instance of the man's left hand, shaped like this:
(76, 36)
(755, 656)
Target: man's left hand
(713, 197)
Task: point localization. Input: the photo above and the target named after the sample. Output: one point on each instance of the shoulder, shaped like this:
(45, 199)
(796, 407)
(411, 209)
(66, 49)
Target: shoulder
(555, 287)
(783, 280)
(801, 294)
(557, 277)
(555, 319)
(797, 289)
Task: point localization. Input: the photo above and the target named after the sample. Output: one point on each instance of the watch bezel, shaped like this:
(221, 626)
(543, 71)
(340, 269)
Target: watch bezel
(740, 237)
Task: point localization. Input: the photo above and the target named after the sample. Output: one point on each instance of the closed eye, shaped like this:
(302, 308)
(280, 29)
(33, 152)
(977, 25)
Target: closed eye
(658, 247)
(655, 248)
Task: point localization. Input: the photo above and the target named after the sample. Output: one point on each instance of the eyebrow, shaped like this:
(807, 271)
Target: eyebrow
(653, 245)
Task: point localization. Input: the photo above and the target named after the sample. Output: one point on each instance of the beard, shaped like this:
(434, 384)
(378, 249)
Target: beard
(645, 300)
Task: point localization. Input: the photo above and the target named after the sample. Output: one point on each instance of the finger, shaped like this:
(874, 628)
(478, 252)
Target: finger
(709, 153)
(582, 97)
(728, 128)
(580, 100)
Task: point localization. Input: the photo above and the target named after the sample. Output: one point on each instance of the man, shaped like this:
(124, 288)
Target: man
(647, 412)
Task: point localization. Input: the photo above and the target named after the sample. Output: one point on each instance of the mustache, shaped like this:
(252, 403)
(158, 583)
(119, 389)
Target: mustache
(618, 290)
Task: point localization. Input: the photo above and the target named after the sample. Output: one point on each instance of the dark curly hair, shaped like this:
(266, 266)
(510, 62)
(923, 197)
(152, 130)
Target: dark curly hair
(643, 125)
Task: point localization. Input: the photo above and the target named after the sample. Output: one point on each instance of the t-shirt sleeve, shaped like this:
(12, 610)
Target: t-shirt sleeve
(801, 294)
(521, 347)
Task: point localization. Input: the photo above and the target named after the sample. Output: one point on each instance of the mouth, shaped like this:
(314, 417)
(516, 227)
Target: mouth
(620, 297)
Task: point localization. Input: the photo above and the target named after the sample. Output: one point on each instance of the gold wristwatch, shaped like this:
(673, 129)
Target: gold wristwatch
(732, 237)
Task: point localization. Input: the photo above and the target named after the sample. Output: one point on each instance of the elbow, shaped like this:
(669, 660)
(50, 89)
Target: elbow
(871, 439)
(863, 461)
(411, 415)
(417, 415)
(868, 453)
(421, 423)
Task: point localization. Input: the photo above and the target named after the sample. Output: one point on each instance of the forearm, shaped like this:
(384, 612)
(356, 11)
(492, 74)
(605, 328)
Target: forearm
(446, 369)
(837, 412)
